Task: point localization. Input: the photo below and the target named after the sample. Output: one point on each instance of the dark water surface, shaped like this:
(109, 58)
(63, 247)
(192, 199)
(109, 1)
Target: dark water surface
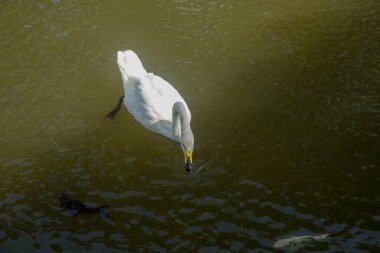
(285, 102)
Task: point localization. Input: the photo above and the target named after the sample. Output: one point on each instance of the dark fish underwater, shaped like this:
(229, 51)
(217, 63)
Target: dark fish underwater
(78, 207)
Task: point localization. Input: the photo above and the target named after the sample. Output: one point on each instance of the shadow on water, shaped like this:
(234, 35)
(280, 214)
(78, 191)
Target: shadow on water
(151, 199)
(88, 166)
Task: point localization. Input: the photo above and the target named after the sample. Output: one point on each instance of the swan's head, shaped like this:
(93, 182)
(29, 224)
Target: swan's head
(187, 144)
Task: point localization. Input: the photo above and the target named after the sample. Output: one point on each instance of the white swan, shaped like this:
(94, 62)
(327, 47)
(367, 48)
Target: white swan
(155, 104)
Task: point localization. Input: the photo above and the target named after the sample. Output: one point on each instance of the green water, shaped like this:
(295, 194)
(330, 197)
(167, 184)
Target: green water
(285, 102)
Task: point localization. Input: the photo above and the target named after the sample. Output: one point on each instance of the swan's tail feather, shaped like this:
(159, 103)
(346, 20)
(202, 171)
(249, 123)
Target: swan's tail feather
(129, 65)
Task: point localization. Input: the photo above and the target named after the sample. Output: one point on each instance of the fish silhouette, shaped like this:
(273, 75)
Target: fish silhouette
(79, 208)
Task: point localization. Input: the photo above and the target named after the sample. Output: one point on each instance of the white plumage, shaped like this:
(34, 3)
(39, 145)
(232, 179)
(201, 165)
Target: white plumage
(148, 97)
(154, 103)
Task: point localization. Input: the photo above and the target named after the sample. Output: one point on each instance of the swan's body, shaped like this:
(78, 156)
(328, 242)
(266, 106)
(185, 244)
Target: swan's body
(154, 103)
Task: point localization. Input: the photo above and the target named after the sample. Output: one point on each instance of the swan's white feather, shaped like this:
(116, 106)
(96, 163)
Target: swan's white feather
(149, 98)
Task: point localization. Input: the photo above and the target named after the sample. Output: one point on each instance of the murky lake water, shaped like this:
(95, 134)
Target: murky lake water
(285, 101)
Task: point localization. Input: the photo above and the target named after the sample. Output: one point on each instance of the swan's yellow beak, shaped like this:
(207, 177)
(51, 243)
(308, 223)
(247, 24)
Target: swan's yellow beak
(188, 159)
(188, 155)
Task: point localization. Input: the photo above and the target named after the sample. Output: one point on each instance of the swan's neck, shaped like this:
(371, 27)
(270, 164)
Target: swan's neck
(181, 123)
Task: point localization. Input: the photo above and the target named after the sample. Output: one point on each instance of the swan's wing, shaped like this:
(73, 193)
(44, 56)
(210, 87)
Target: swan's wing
(165, 96)
(151, 98)
(129, 65)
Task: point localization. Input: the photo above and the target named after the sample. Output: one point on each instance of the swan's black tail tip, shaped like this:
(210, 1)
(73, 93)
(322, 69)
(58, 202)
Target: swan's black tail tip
(112, 114)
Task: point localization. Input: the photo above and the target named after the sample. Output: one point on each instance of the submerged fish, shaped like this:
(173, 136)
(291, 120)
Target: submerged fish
(297, 242)
(78, 207)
